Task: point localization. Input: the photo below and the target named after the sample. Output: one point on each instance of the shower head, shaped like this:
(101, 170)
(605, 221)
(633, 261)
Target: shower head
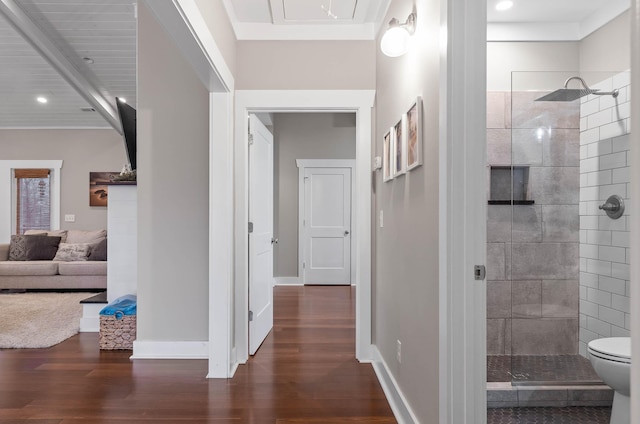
(570, 94)
(566, 95)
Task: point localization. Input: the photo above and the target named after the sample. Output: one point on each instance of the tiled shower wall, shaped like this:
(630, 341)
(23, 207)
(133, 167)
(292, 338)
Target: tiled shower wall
(532, 251)
(604, 243)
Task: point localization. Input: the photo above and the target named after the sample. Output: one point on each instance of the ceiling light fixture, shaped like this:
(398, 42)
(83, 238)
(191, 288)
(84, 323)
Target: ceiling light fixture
(122, 99)
(504, 5)
(88, 60)
(395, 41)
(329, 12)
(41, 99)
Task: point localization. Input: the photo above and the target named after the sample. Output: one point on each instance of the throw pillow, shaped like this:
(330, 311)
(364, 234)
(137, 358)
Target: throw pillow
(91, 237)
(17, 250)
(54, 233)
(68, 252)
(99, 252)
(40, 248)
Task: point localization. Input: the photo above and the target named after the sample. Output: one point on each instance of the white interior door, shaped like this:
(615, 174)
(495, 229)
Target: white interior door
(326, 226)
(260, 239)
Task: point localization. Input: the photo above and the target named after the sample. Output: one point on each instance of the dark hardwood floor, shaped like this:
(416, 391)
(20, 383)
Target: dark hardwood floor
(305, 372)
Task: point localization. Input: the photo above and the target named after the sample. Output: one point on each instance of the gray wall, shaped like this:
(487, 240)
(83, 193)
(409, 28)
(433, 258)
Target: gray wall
(82, 151)
(302, 136)
(506, 57)
(609, 48)
(305, 65)
(406, 260)
(217, 20)
(173, 201)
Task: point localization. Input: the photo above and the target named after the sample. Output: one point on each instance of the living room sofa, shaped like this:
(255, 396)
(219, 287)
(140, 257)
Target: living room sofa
(79, 273)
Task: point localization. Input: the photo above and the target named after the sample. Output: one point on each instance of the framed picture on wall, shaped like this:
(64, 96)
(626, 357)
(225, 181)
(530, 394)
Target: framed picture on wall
(98, 190)
(387, 157)
(400, 163)
(414, 135)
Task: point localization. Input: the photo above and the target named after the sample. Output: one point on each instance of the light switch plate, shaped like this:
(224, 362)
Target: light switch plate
(70, 218)
(377, 162)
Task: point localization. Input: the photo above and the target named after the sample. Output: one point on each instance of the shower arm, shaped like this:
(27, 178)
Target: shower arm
(613, 93)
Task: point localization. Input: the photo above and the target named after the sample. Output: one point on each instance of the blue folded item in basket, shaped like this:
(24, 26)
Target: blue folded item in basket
(124, 305)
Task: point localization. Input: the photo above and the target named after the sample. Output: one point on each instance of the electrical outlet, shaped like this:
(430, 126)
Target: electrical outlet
(399, 352)
(70, 218)
(381, 219)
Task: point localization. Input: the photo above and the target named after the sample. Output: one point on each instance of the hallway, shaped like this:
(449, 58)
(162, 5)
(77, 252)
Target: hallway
(305, 372)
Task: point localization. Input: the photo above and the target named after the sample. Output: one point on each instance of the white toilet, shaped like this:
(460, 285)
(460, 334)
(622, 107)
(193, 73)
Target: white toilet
(611, 359)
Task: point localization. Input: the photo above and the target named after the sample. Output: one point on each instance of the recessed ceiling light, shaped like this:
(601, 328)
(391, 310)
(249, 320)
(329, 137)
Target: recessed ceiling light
(122, 100)
(41, 99)
(504, 5)
(87, 60)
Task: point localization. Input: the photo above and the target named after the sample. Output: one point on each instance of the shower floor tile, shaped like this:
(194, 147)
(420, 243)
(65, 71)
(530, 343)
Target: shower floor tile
(538, 369)
(569, 415)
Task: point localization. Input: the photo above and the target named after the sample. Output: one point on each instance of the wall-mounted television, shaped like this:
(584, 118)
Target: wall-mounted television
(128, 122)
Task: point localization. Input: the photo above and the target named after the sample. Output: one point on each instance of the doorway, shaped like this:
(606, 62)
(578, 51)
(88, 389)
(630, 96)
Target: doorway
(359, 102)
(277, 193)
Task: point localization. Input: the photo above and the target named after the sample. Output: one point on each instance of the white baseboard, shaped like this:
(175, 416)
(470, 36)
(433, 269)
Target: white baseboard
(288, 281)
(170, 350)
(397, 401)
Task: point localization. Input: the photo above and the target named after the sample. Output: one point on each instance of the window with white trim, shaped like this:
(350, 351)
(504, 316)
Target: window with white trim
(9, 189)
(32, 199)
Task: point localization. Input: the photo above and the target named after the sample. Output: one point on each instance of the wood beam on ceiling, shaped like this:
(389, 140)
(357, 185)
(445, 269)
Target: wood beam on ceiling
(23, 24)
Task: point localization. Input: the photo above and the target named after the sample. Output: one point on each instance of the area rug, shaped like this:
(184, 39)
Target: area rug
(37, 320)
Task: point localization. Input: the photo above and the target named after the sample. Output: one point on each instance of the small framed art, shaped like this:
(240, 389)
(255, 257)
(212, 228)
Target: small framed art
(400, 163)
(387, 157)
(414, 135)
(98, 190)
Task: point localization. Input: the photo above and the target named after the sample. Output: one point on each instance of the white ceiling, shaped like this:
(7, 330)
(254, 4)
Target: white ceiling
(105, 31)
(306, 19)
(555, 20)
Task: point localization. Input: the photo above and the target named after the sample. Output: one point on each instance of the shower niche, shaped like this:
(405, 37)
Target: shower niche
(509, 185)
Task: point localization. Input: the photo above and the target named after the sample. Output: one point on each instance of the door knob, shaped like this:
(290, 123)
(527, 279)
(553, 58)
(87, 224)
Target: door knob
(274, 240)
(346, 232)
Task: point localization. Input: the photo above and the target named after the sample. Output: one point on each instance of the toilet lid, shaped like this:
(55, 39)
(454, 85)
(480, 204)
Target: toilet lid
(614, 348)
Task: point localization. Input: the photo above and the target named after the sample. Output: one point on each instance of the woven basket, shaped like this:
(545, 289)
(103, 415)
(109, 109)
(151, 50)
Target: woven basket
(117, 333)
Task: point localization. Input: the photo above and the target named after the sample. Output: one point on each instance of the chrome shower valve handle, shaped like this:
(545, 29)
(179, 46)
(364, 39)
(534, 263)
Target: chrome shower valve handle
(614, 206)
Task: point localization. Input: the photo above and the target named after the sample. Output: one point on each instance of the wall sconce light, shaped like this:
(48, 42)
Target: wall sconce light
(395, 41)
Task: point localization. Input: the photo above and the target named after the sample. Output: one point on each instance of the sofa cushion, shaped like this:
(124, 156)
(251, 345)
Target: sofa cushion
(91, 237)
(55, 233)
(72, 252)
(17, 248)
(82, 268)
(41, 248)
(99, 251)
(28, 268)
(4, 251)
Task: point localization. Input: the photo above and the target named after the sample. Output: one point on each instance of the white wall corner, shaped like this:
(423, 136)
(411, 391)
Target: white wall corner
(170, 350)
(398, 403)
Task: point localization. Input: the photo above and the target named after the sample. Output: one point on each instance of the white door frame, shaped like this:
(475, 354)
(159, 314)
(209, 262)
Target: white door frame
(358, 101)
(463, 208)
(635, 206)
(325, 163)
